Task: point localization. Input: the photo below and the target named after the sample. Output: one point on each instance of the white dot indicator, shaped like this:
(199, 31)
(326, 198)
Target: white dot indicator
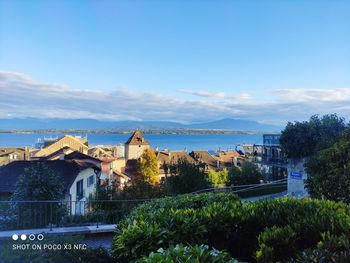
(14, 237)
(40, 237)
(31, 237)
(23, 236)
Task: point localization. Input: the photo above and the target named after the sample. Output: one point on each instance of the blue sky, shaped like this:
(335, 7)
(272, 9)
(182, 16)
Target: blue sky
(207, 59)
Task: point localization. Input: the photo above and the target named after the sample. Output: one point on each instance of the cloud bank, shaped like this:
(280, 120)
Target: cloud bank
(23, 96)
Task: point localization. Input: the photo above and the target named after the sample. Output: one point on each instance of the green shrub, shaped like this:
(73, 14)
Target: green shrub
(330, 249)
(276, 243)
(187, 254)
(259, 231)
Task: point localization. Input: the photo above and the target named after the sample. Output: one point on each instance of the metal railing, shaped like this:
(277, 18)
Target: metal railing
(236, 189)
(50, 214)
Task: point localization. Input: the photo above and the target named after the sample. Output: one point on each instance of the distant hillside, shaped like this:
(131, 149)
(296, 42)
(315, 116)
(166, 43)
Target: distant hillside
(235, 124)
(91, 124)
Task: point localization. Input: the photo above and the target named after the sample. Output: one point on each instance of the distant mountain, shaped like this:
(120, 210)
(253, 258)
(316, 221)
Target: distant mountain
(235, 124)
(92, 124)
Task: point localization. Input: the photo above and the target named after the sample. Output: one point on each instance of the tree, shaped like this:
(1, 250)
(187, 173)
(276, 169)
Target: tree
(185, 177)
(217, 178)
(249, 173)
(148, 167)
(234, 176)
(329, 171)
(140, 188)
(39, 183)
(304, 139)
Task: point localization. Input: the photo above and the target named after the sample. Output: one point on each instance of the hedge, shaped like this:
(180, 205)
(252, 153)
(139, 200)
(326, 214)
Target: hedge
(264, 231)
(187, 254)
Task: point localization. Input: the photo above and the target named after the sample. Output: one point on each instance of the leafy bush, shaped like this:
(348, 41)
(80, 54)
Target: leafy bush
(269, 230)
(330, 249)
(187, 254)
(194, 201)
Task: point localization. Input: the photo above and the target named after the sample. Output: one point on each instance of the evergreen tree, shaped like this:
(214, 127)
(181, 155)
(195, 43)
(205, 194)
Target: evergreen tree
(185, 177)
(38, 183)
(249, 173)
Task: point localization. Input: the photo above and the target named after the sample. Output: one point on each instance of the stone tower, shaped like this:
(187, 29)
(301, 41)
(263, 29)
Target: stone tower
(135, 146)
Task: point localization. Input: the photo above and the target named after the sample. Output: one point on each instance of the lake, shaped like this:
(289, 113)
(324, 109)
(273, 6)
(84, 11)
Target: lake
(162, 141)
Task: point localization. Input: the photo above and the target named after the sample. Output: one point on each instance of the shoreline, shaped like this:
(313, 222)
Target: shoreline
(145, 131)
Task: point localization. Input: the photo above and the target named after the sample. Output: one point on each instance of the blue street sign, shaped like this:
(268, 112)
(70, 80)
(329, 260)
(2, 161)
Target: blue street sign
(296, 175)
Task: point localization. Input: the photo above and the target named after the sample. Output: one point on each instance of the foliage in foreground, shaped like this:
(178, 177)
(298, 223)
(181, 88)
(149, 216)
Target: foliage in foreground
(265, 231)
(187, 254)
(330, 249)
(89, 255)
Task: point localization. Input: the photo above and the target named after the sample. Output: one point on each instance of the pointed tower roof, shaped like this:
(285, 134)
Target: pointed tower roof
(137, 138)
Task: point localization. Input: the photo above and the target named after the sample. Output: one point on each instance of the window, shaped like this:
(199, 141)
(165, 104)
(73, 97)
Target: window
(80, 189)
(91, 180)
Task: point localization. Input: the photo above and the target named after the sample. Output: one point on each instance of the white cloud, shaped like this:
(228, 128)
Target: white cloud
(23, 96)
(314, 95)
(203, 93)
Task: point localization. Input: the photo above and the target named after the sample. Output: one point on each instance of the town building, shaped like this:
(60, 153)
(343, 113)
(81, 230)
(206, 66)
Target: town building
(228, 159)
(68, 142)
(135, 146)
(205, 159)
(103, 151)
(269, 156)
(166, 158)
(112, 169)
(10, 154)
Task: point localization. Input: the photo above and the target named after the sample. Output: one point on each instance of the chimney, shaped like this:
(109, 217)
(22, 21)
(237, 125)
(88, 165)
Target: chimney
(235, 161)
(115, 151)
(26, 154)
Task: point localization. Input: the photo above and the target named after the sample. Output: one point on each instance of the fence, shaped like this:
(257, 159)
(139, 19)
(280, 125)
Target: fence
(243, 190)
(49, 214)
